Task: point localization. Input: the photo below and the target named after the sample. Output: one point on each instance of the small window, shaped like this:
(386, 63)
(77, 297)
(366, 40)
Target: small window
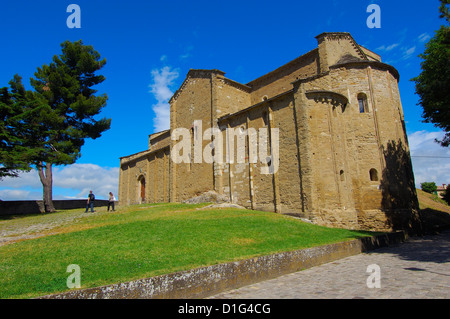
(373, 175)
(362, 103)
(341, 174)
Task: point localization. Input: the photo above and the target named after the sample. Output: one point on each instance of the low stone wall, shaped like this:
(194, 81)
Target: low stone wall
(207, 281)
(29, 207)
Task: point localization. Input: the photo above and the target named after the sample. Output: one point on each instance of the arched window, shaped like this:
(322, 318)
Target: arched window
(373, 175)
(341, 174)
(362, 103)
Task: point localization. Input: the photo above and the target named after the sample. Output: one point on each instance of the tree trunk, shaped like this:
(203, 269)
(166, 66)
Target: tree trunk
(45, 174)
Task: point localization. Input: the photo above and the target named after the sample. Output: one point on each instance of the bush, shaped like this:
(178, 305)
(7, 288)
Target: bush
(429, 187)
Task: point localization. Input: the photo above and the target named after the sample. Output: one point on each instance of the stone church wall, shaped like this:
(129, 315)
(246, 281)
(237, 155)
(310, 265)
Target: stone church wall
(334, 146)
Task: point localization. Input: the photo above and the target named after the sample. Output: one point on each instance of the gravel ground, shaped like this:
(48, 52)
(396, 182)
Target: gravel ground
(27, 227)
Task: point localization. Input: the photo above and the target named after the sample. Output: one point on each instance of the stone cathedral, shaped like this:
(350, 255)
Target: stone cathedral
(324, 138)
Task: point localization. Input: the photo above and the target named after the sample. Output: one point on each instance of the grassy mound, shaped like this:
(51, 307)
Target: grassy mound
(142, 241)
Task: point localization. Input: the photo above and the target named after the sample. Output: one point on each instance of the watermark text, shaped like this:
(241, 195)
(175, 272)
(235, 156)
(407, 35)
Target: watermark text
(232, 145)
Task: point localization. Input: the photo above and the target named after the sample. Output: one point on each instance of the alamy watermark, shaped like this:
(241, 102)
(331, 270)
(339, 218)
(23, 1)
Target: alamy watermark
(263, 146)
(74, 279)
(74, 19)
(374, 19)
(374, 279)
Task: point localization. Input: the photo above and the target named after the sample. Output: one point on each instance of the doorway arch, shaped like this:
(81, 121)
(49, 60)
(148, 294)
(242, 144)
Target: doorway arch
(141, 189)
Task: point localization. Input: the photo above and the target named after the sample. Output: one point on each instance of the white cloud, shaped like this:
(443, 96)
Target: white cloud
(431, 162)
(72, 181)
(424, 37)
(388, 48)
(188, 53)
(404, 50)
(162, 81)
(408, 52)
(18, 194)
(86, 177)
(26, 179)
(392, 46)
(405, 53)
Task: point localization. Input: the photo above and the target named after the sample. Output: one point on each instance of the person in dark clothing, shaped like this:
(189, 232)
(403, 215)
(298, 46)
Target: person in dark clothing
(90, 202)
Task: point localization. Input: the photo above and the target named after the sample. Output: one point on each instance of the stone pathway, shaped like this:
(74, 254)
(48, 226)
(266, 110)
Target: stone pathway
(417, 269)
(27, 228)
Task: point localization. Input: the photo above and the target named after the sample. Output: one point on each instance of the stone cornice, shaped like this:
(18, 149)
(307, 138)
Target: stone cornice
(195, 73)
(158, 134)
(330, 97)
(346, 36)
(354, 64)
(364, 64)
(237, 85)
(136, 156)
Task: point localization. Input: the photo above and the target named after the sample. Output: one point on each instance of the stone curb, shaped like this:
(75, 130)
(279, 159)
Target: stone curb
(207, 281)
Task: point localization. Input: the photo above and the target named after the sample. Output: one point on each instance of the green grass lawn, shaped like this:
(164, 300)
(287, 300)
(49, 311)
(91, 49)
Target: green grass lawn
(147, 240)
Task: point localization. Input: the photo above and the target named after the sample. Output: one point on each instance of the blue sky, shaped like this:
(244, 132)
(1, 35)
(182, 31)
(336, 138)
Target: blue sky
(151, 45)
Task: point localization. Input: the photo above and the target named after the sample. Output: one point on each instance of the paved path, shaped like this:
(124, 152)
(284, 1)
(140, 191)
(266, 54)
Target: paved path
(417, 269)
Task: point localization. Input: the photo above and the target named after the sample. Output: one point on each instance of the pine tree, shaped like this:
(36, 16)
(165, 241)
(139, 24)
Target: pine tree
(52, 122)
(14, 150)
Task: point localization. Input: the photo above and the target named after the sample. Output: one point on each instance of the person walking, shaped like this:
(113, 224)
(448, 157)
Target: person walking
(90, 202)
(111, 200)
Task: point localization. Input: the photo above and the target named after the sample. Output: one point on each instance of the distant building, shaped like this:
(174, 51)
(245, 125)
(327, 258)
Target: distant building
(440, 191)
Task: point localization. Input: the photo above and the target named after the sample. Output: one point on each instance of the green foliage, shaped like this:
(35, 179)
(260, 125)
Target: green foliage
(433, 84)
(11, 163)
(16, 133)
(65, 88)
(444, 10)
(51, 123)
(428, 187)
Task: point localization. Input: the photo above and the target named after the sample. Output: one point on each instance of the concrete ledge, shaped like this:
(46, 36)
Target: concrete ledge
(206, 281)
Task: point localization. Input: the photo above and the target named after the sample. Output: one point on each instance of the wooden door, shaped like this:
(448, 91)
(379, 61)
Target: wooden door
(143, 190)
